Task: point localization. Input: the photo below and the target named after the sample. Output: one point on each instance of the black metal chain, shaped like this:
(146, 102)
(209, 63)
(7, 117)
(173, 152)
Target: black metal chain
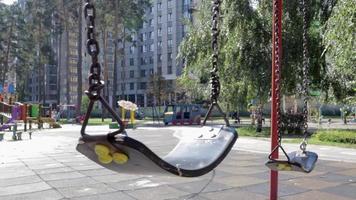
(215, 83)
(95, 82)
(305, 85)
(277, 70)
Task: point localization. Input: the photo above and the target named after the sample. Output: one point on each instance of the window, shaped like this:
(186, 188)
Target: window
(123, 86)
(132, 86)
(159, 44)
(151, 71)
(159, 18)
(151, 9)
(122, 75)
(159, 5)
(144, 48)
(143, 37)
(132, 74)
(170, 56)
(143, 85)
(144, 24)
(151, 60)
(132, 49)
(169, 3)
(169, 16)
(159, 70)
(170, 43)
(150, 23)
(152, 35)
(132, 62)
(159, 58)
(169, 70)
(159, 32)
(143, 73)
(169, 30)
(151, 47)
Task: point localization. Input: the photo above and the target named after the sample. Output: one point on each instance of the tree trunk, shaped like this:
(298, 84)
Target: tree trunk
(7, 55)
(66, 27)
(80, 60)
(116, 37)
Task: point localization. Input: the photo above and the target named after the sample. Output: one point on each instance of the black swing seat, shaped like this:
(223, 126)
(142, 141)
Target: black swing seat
(192, 156)
(298, 161)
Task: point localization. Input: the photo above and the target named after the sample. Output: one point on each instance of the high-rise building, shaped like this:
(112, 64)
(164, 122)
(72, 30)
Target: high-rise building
(153, 50)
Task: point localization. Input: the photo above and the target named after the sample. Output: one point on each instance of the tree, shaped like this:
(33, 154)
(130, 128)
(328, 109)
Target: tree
(157, 87)
(339, 40)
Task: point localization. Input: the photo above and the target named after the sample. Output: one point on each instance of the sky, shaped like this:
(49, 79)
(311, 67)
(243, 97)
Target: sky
(7, 1)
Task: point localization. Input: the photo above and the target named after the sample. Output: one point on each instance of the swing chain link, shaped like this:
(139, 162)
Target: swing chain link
(277, 70)
(92, 45)
(305, 76)
(215, 83)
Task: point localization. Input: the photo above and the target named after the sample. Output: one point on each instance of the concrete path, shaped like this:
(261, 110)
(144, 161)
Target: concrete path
(48, 167)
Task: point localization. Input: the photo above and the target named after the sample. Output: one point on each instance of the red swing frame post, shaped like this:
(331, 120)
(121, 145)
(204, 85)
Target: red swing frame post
(274, 107)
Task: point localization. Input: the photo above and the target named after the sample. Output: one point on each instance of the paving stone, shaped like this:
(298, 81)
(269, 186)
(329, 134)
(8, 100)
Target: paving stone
(283, 190)
(346, 190)
(345, 165)
(134, 184)
(350, 172)
(24, 188)
(190, 197)
(169, 180)
(15, 173)
(53, 170)
(111, 178)
(234, 194)
(43, 195)
(193, 187)
(40, 166)
(157, 193)
(315, 195)
(266, 176)
(98, 172)
(332, 177)
(239, 181)
(108, 196)
(241, 170)
(309, 183)
(72, 182)
(19, 181)
(61, 176)
(86, 190)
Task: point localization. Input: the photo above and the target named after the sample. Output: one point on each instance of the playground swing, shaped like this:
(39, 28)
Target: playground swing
(303, 160)
(192, 157)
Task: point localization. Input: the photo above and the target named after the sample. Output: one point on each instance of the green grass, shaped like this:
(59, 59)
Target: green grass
(334, 137)
(250, 131)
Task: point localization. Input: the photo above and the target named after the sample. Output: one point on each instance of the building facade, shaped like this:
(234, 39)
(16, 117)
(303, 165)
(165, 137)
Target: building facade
(153, 51)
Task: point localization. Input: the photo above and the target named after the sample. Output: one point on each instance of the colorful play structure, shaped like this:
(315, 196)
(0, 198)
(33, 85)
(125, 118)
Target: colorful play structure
(180, 114)
(16, 114)
(126, 106)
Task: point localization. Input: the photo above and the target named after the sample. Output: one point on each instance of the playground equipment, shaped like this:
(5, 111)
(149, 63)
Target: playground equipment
(13, 114)
(41, 115)
(303, 161)
(191, 157)
(181, 114)
(131, 108)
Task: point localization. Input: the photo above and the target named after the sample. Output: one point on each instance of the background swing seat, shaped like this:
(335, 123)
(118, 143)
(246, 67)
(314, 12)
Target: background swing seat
(298, 161)
(191, 157)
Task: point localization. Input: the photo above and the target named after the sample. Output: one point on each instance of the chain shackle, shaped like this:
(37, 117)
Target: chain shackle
(92, 46)
(215, 83)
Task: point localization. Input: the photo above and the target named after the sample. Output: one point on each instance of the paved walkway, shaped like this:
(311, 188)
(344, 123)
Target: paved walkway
(48, 167)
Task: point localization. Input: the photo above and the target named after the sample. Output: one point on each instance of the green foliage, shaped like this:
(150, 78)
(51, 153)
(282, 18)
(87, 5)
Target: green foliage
(339, 40)
(339, 136)
(251, 131)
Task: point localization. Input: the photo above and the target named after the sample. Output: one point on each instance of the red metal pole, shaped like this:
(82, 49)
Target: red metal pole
(277, 8)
